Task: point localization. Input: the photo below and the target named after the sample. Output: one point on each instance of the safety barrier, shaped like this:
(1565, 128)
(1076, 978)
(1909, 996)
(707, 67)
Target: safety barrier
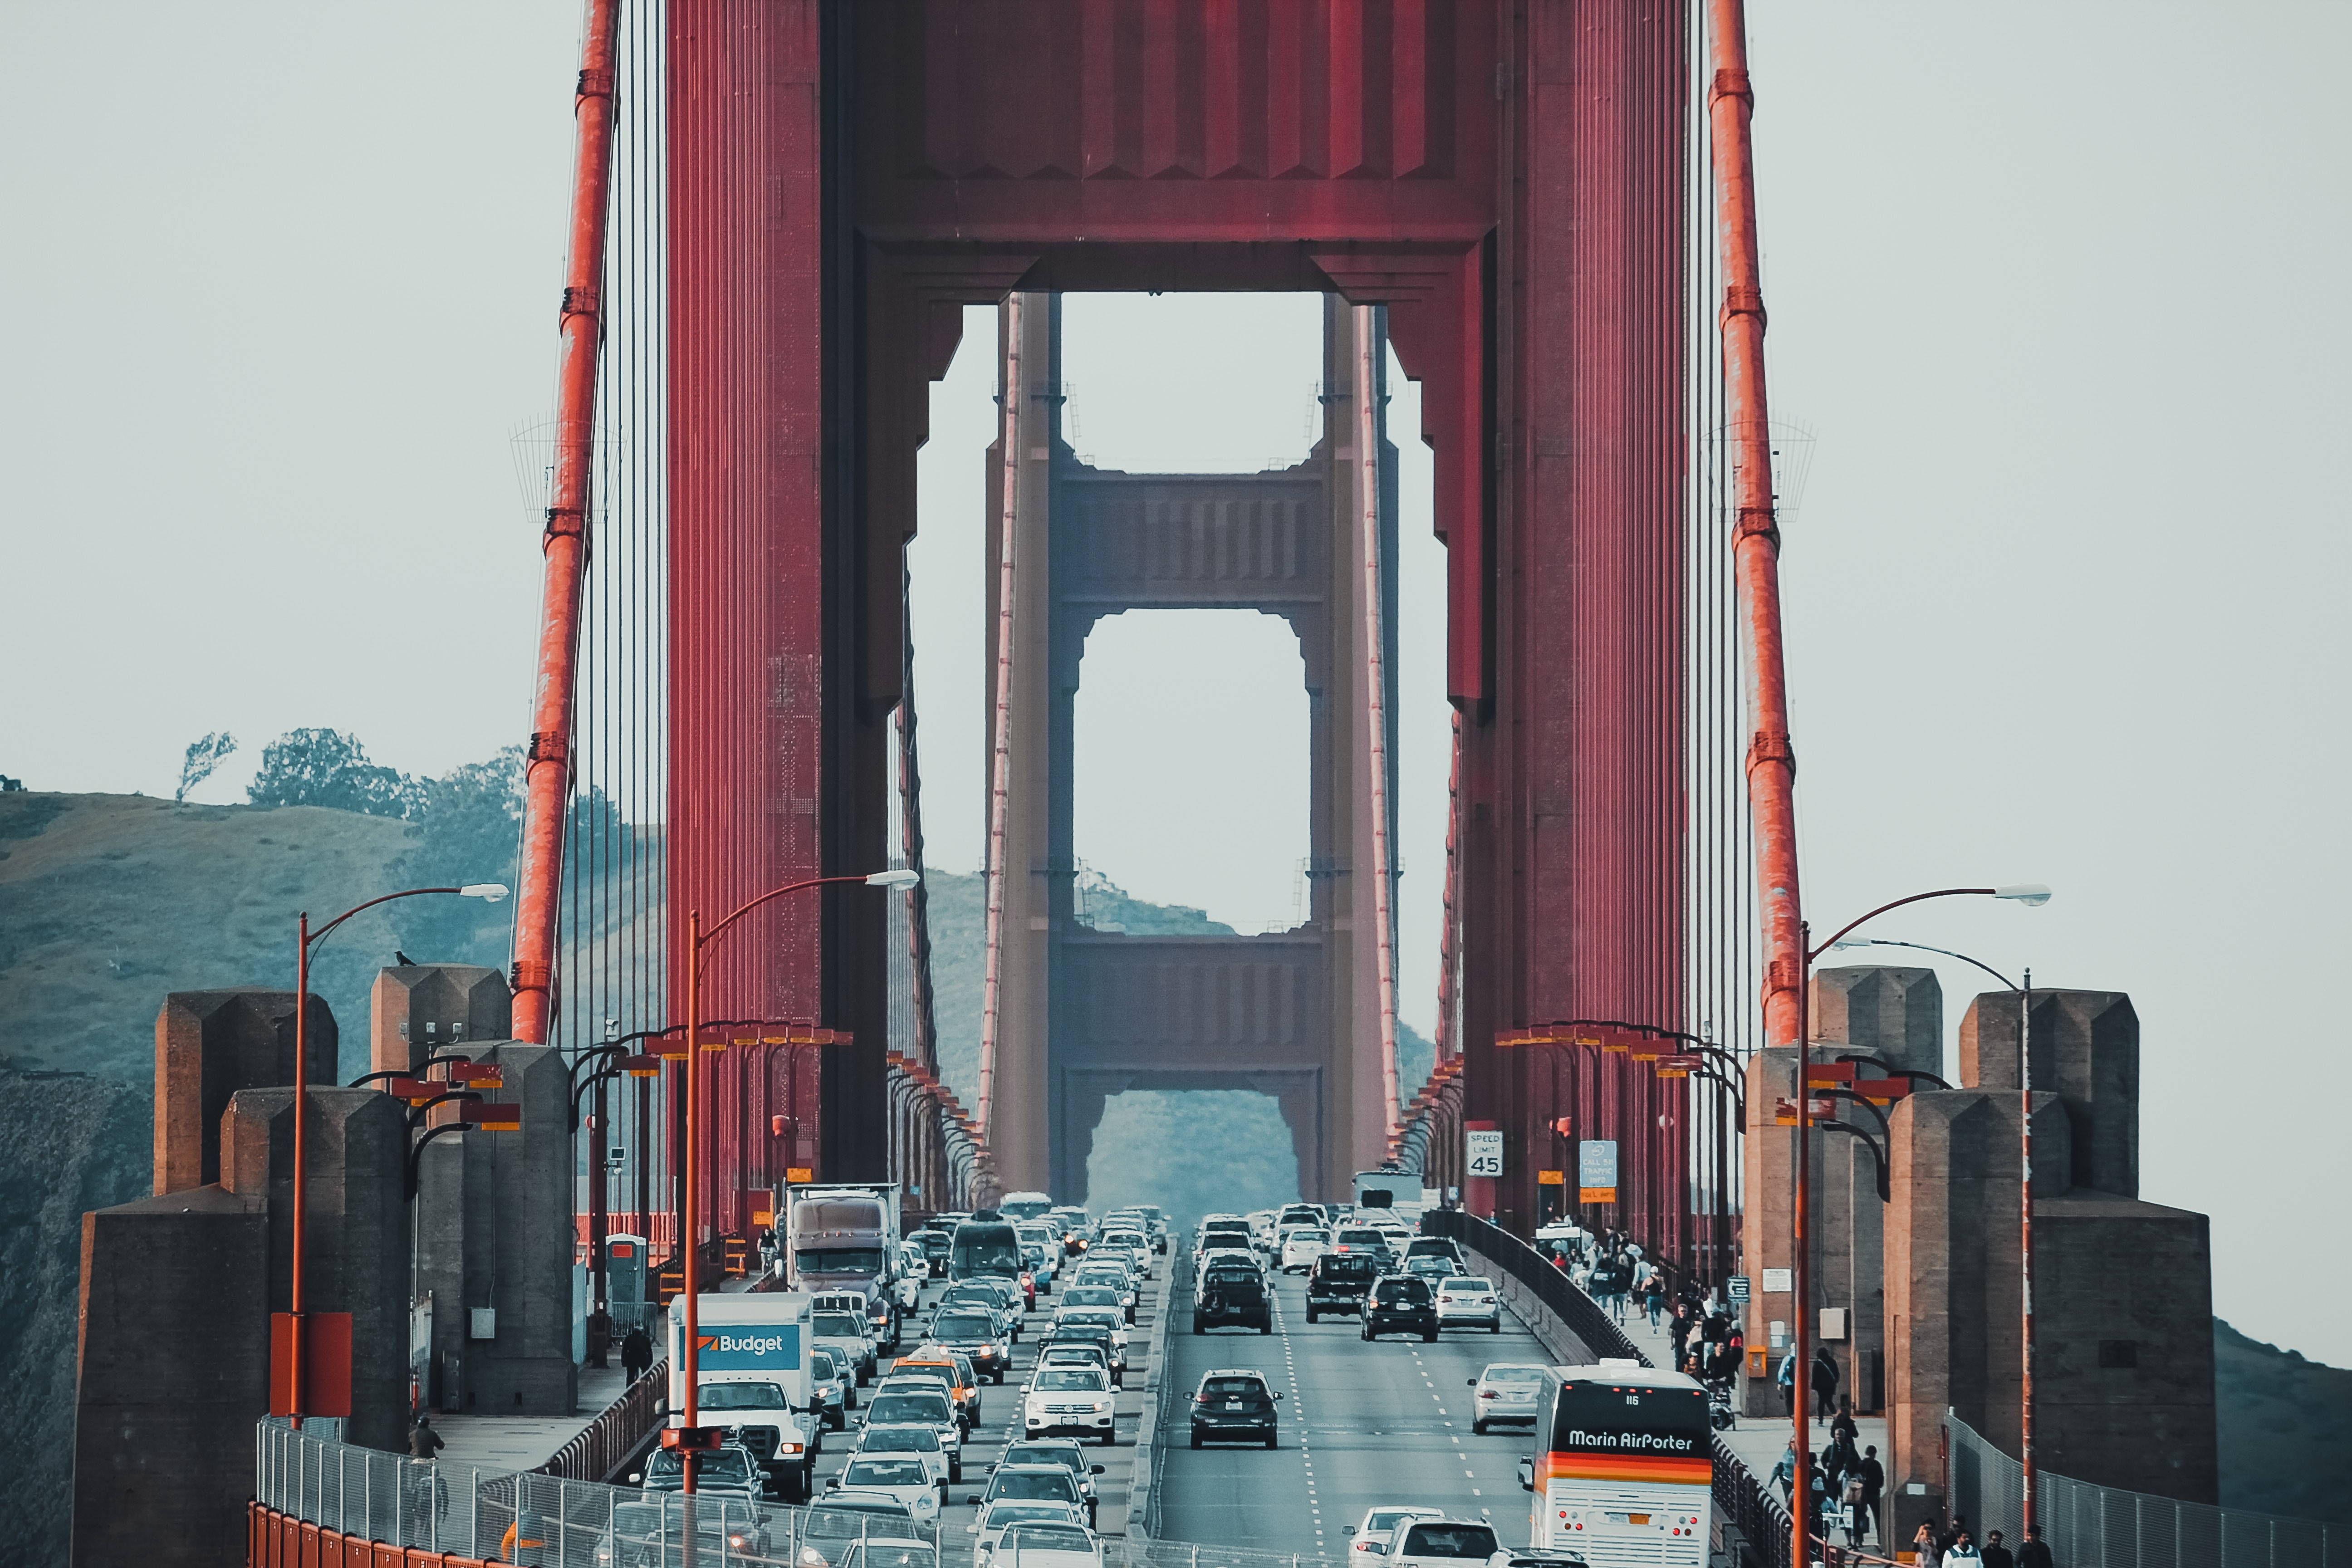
(606, 1443)
(2105, 1527)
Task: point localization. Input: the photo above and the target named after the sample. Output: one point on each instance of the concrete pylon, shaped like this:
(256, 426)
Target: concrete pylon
(2087, 1051)
(208, 1046)
(417, 1009)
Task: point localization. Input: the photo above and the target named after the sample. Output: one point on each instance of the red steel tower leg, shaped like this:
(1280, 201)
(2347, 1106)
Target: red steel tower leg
(547, 788)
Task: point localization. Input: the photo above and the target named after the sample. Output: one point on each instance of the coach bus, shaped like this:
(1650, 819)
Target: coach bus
(1623, 1471)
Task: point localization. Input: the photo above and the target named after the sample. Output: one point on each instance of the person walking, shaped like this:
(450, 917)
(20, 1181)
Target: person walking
(1997, 1555)
(423, 1441)
(1873, 1475)
(1924, 1549)
(1655, 1297)
(1785, 1473)
(2035, 1553)
(1787, 1379)
(1825, 1380)
(636, 1354)
(599, 1338)
(1964, 1551)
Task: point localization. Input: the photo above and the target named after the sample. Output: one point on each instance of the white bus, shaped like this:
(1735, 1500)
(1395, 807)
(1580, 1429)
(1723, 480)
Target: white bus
(1623, 1470)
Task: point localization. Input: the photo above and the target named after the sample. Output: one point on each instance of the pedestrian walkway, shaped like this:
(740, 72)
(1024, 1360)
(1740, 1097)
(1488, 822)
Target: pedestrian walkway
(1758, 1440)
(527, 1442)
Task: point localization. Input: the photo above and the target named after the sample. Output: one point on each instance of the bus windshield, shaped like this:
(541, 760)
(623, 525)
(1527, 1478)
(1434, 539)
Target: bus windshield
(984, 1249)
(1600, 1430)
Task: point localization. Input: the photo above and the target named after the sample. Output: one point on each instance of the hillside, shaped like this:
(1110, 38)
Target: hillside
(2285, 1448)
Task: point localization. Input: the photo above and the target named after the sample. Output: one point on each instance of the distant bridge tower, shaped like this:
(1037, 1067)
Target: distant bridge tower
(1085, 1015)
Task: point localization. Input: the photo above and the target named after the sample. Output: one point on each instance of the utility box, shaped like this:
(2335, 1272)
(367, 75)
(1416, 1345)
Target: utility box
(483, 1323)
(1835, 1327)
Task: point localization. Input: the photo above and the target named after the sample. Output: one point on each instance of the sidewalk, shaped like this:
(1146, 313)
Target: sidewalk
(527, 1442)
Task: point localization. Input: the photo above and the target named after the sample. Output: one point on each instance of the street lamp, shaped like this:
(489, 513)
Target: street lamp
(2024, 994)
(492, 892)
(689, 1356)
(2030, 894)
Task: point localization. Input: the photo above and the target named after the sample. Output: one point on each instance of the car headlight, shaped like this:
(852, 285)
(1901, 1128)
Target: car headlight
(1101, 1405)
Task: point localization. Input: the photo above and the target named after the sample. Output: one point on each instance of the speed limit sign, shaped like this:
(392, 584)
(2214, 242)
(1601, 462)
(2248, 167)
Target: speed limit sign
(1483, 1151)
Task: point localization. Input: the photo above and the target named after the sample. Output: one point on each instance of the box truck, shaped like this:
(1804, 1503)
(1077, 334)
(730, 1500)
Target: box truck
(843, 1236)
(752, 1380)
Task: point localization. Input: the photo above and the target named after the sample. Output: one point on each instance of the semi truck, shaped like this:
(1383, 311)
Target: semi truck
(843, 1236)
(752, 1380)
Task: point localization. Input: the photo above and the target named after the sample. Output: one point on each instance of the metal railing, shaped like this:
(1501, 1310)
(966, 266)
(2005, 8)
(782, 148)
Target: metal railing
(604, 1444)
(2104, 1527)
(552, 1522)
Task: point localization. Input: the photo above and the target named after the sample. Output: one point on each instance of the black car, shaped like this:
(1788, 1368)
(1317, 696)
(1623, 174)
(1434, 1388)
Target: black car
(1337, 1282)
(936, 1244)
(1401, 1304)
(1232, 1403)
(1233, 1293)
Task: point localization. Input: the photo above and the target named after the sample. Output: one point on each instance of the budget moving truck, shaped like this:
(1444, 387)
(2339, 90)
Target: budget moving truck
(752, 1380)
(843, 1236)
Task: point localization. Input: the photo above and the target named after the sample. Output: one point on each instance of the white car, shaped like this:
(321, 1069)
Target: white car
(926, 1405)
(1047, 1544)
(1072, 1400)
(998, 1517)
(1466, 1302)
(1442, 1543)
(1301, 1246)
(920, 1442)
(1371, 1537)
(1507, 1391)
(903, 1477)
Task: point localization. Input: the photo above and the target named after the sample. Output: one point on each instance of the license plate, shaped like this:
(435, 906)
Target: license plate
(1233, 1404)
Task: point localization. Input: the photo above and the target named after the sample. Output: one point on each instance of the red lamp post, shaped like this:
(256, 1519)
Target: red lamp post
(689, 1358)
(288, 1377)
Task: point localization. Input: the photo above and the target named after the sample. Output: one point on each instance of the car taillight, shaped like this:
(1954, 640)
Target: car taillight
(1486, 1394)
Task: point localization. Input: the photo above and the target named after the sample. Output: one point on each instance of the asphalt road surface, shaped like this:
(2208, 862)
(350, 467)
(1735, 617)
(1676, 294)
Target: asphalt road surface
(1360, 1426)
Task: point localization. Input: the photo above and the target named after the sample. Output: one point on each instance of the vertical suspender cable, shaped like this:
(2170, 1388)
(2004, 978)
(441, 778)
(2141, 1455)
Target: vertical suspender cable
(1001, 761)
(1368, 509)
(1448, 1044)
(548, 782)
(1770, 763)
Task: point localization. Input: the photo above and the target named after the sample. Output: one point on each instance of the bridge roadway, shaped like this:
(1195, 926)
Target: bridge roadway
(1360, 1426)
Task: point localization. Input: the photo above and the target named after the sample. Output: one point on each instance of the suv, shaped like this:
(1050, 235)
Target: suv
(1338, 1282)
(1233, 1402)
(1232, 1293)
(1401, 1304)
(1442, 1543)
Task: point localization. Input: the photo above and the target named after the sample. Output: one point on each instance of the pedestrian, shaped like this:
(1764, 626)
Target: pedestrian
(423, 1441)
(1825, 1380)
(1953, 1532)
(1843, 1425)
(2035, 1553)
(1679, 1329)
(636, 1354)
(1997, 1555)
(599, 1338)
(1873, 1475)
(1924, 1550)
(1785, 1472)
(1787, 1379)
(1656, 1298)
(1964, 1551)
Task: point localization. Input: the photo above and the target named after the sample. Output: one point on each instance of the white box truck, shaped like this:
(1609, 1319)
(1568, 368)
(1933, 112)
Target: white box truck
(843, 1236)
(752, 1380)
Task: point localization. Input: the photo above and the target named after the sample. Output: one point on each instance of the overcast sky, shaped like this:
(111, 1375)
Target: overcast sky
(2055, 288)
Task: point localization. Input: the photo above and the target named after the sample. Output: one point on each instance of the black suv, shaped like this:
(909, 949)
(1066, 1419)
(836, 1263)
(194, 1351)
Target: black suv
(1232, 1403)
(1401, 1304)
(1337, 1282)
(1232, 1293)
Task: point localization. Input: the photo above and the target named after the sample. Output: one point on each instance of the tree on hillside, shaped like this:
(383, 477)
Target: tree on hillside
(467, 823)
(329, 768)
(203, 757)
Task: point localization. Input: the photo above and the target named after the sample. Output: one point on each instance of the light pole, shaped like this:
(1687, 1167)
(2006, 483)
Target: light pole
(2030, 894)
(492, 892)
(2024, 994)
(689, 1358)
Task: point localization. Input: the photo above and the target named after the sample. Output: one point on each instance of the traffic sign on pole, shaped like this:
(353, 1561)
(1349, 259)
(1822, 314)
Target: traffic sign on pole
(1596, 1170)
(1483, 1152)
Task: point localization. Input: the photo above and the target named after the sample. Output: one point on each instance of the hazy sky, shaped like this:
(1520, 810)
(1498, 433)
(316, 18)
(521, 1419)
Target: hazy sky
(2054, 286)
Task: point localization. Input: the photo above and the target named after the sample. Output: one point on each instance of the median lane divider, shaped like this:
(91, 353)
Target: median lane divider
(1143, 1486)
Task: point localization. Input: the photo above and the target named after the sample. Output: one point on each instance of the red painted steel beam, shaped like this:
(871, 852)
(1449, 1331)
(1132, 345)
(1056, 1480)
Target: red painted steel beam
(547, 780)
(1771, 762)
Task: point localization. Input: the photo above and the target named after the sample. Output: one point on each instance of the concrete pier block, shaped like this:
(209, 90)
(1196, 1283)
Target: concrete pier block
(2085, 1049)
(208, 1046)
(417, 1009)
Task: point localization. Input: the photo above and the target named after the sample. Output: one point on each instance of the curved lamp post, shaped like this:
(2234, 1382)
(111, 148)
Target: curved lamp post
(2030, 894)
(491, 892)
(697, 941)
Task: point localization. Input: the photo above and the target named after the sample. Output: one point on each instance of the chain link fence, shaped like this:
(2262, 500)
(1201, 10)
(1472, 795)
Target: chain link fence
(503, 1516)
(2103, 1527)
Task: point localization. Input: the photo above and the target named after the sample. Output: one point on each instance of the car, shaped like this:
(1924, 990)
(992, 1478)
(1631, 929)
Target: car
(1031, 1483)
(1469, 1301)
(1155, 1225)
(834, 1389)
(921, 1407)
(1508, 1392)
(1338, 1282)
(977, 1295)
(847, 1336)
(1371, 1538)
(1354, 1241)
(1064, 1452)
(1113, 1352)
(1442, 1543)
(1046, 1544)
(1298, 1215)
(1073, 1399)
(1092, 1295)
(1436, 1246)
(1017, 1291)
(918, 1442)
(1301, 1246)
(998, 1517)
(935, 1245)
(1430, 1268)
(1401, 1304)
(1234, 1403)
(877, 1552)
(1132, 1240)
(903, 1477)
(1108, 1320)
(649, 1532)
(1109, 1274)
(1232, 1293)
(947, 1368)
(1227, 1247)
(831, 1529)
(974, 1331)
(728, 1471)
